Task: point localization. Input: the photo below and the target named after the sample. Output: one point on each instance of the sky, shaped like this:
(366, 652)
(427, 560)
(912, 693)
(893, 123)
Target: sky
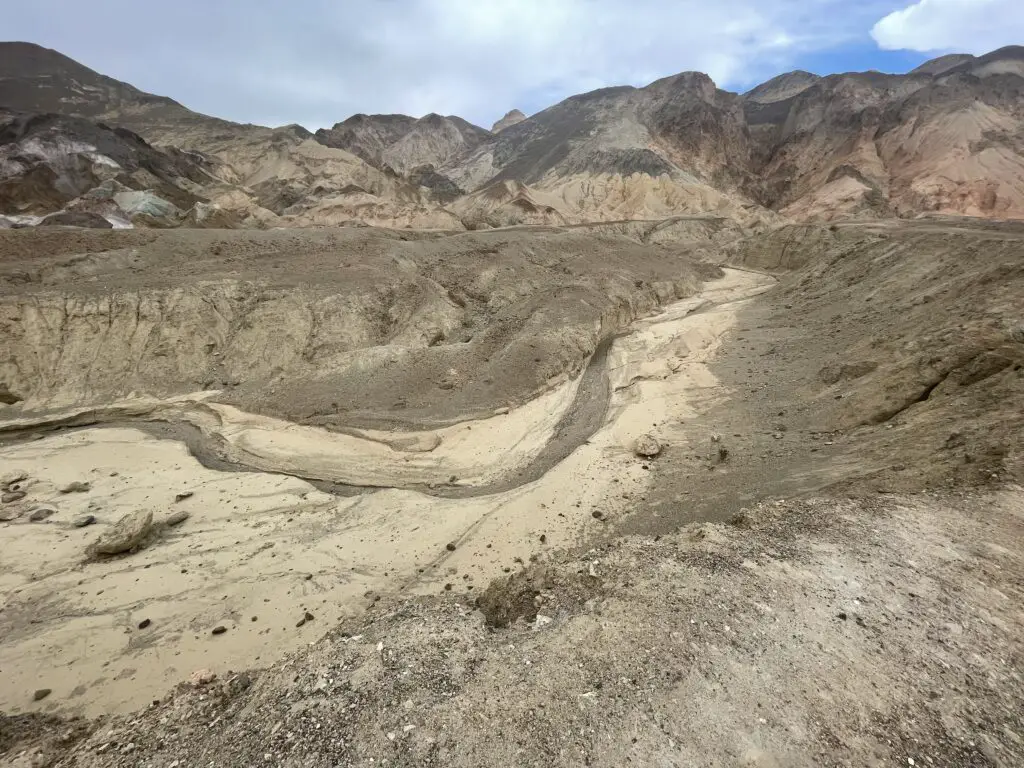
(316, 62)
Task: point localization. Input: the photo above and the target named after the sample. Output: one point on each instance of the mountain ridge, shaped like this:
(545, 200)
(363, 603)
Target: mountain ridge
(799, 146)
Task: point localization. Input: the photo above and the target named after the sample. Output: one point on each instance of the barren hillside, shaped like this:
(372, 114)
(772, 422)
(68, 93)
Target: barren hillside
(945, 138)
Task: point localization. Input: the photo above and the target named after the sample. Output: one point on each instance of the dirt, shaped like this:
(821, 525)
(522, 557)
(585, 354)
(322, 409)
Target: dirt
(814, 631)
(822, 565)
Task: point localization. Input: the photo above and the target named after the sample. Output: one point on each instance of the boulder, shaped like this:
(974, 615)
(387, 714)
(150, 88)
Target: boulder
(647, 447)
(127, 535)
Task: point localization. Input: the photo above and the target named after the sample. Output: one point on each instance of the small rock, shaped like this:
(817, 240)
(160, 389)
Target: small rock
(176, 518)
(239, 683)
(41, 694)
(647, 447)
(300, 623)
(450, 546)
(127, 534)
(11, 496)
(500, 411)
(543, 539)
(144, 623)
(76, 487)
(220, 629)
(183, 495)
(778, 435)
(201, 677)
(309, 616)
(13, 477)
(41, 513)
(9, 514)
(83, 520)
(597, 514)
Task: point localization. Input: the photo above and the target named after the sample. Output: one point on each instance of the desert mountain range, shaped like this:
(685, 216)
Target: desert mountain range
(947, 137)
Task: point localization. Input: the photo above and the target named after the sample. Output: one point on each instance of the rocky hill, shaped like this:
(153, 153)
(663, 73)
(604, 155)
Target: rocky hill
(947, 137)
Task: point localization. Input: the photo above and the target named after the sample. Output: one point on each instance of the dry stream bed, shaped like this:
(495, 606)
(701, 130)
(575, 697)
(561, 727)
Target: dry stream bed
(276, 561)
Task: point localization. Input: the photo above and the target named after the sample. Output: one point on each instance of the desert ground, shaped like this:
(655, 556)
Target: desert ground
(535, 495)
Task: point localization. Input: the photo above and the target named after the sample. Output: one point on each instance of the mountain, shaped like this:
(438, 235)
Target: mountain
(264, 176)
(53, 162)
(947, 138)
(402, 143)
(511, 118)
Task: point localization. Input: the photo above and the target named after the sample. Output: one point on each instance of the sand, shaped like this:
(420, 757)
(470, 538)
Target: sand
(271, 546)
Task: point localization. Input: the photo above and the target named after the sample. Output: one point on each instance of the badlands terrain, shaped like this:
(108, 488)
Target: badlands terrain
(944, 138)
(665, 426)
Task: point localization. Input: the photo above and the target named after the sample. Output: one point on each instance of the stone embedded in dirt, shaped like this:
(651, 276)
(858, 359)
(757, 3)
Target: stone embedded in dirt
(144, 623)
(7, 397)
(41, 513)
(717, 453)
(83, 520)
(41, 694)
(176, 518)
(647, 446)
(78, 486)
(184, 495)
(12, 496)
(239, 683)
(301, 622)
(309, 616)
(7, 514)
(127, 535)
(833, 373)
(450, 546)
(201, 677)
(220, 629)
(13, 477)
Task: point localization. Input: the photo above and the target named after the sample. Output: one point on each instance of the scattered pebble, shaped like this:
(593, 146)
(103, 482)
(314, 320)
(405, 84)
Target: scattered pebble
(12, 496)
(183, 495)
(13, 477)
(83, 520)
(450, 546)
(144, 623)
(41, 513)
(78, 486)
(176, 518)
(220, 629)
(41, 694)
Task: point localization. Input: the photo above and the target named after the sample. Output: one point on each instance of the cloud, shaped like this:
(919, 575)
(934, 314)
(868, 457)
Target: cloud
(964, 26)
(318, 61)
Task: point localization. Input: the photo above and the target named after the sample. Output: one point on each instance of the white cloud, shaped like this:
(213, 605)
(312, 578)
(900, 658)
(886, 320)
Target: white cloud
(319, 61)
(964, 26)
